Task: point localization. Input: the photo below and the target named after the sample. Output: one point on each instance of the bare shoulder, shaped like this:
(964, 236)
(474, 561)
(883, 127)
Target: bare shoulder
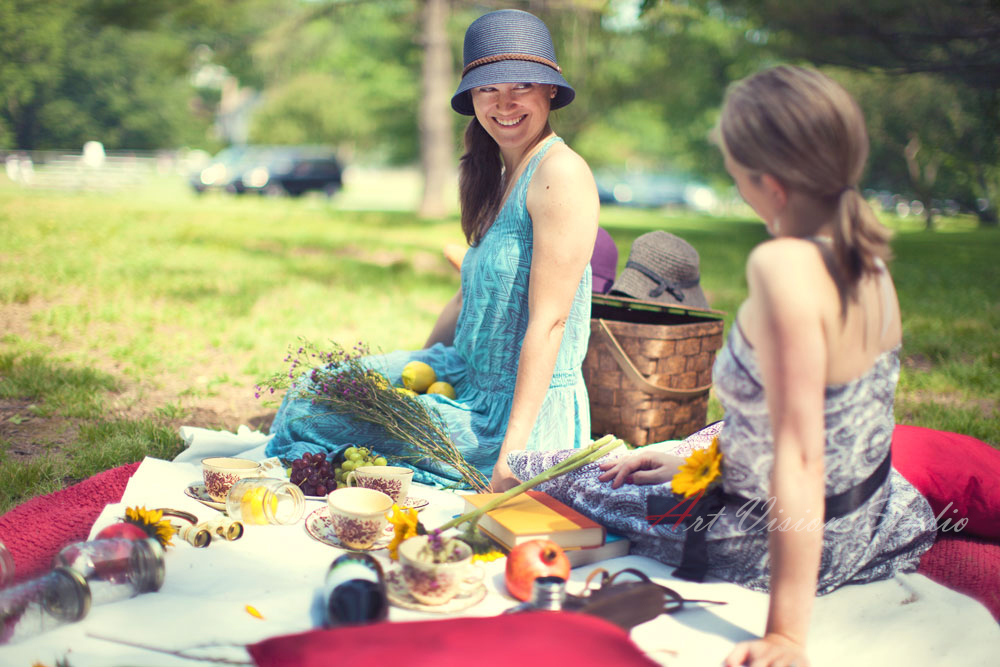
(562, 167)
(791, 271)
(786, 260)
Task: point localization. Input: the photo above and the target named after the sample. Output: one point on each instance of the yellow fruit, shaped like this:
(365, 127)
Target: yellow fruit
(406, 392)
(442, 388)
(417, 376)
(252, 505)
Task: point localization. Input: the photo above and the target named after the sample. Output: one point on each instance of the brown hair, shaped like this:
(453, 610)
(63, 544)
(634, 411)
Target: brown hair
(480, 182)
(805, 130)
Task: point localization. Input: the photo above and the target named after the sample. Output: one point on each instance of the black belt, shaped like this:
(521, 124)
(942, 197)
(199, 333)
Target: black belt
(694, 562)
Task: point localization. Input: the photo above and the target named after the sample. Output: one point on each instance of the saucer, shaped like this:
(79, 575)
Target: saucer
(319, 525)
(412, 503)
(199, 493)
(399, 595)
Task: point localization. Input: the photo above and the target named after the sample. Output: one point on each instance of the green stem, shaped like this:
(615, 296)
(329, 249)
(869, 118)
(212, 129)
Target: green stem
(594, 451)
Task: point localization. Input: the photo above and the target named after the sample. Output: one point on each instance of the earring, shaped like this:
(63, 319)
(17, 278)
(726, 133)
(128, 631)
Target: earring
(775, 226)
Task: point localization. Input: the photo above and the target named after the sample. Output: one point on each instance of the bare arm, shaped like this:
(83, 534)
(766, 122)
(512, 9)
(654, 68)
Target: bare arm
(562, 202)
(444, 328)
(786, 319)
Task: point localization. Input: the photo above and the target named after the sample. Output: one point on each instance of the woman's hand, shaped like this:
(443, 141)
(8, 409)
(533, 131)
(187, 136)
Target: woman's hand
(772, 651)
(503, 479)
(642, 467)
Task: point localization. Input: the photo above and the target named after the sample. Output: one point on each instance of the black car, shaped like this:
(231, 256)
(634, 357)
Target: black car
(294, 172)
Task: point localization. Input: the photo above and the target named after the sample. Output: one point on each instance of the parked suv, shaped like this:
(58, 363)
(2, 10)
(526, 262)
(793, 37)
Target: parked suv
(294, 171)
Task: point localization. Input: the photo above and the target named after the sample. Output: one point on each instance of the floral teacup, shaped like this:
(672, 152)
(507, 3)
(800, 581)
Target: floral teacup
(358, 515)
(393, 481)
(220, 473)
(436, 583)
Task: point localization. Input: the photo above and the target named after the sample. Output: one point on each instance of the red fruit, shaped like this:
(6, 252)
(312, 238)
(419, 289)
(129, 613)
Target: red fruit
(530, 560)
(129, 531)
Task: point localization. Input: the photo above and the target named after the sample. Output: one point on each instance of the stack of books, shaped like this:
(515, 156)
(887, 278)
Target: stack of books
(534, 515)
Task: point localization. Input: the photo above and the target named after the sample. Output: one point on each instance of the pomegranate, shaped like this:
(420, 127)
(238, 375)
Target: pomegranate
(530, 560)
(129, 531)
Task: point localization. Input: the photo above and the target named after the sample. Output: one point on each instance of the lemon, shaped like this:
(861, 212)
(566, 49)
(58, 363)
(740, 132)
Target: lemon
(417, 376)
(442, 388)
(406, 392)
(252, 505)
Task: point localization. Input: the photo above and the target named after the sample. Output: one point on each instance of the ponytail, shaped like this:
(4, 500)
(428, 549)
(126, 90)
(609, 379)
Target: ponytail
(859, 241)
(479, 182)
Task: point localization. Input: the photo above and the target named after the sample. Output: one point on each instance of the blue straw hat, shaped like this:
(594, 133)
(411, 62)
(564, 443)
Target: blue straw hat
(509, 46)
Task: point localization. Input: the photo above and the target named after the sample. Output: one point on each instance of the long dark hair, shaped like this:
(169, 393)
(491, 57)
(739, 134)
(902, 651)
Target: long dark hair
(480, 182)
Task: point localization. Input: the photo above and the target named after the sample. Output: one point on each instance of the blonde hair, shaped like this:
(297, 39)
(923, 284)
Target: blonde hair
(805, 130)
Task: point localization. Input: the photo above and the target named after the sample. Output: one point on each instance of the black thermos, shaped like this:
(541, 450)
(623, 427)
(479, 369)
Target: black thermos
(354, 593)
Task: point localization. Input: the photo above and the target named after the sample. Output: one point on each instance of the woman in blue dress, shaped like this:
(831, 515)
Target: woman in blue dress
(513, 339)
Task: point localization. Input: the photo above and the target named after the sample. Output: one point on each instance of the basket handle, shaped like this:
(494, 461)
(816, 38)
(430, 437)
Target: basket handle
(636, 377)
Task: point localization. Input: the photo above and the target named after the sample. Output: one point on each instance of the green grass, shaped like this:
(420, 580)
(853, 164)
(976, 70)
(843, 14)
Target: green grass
(161, 289)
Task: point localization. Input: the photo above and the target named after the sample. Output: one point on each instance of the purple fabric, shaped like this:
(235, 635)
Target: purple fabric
(604, 261)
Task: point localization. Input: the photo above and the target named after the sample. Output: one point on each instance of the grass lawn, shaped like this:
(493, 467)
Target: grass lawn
(124, 316)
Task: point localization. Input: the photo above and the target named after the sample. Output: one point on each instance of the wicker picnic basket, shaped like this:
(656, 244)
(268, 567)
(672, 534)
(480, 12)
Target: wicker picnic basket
(648, 368)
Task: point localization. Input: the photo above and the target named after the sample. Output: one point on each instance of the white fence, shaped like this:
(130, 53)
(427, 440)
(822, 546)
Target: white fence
(92, 169)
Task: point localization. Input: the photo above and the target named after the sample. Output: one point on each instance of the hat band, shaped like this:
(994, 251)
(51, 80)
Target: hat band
(661, 284)
(486, 60)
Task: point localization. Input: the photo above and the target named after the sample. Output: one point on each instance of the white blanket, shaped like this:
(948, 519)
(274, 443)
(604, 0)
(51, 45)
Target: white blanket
(908, 620)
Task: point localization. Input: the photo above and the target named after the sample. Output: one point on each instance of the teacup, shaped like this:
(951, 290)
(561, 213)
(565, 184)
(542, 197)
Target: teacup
(220, 473)
(394, 481)
(436, 583)
(358, 515)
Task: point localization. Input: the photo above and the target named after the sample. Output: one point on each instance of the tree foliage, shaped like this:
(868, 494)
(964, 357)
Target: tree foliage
(938, 108)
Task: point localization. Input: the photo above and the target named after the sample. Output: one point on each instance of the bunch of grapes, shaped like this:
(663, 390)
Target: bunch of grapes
(355, 457)
(313, 474)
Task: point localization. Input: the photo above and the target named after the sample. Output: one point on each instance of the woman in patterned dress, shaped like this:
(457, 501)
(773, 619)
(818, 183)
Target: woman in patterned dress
(513, 339)
(808, 375)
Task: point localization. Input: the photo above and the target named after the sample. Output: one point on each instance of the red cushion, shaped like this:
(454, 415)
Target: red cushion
(537, 638)
(968, 565)
(959, 475)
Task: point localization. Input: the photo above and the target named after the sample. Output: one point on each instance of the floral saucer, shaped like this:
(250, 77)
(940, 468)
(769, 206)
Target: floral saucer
(319, 525)
(200, 493)
(399, 595)
(410, 502)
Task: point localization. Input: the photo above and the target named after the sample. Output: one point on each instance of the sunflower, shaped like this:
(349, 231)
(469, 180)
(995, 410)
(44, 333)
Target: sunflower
(152, 522)
(698, 471)
(404, 523)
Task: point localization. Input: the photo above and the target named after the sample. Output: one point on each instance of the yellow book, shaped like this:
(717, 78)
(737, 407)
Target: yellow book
(534, 515)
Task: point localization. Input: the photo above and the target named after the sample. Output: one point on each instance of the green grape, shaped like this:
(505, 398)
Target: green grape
(381, 461)
(350, 451)
(364, 451)
(356, 457)
(348, 466)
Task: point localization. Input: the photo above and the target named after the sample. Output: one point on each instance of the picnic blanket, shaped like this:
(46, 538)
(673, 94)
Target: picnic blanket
(909, 619)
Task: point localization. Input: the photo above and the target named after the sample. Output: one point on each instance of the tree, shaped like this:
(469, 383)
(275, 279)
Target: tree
(958, 43)
(435, 121)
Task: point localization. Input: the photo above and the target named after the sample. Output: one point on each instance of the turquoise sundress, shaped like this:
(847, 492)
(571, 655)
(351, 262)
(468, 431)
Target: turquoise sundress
(481, 365)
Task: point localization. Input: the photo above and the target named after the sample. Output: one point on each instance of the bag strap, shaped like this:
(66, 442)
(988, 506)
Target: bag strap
(636, 377)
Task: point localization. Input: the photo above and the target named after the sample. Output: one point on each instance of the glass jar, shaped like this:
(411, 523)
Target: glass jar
(115, 569)
(6, 567)
(265, 500)
(33, 607)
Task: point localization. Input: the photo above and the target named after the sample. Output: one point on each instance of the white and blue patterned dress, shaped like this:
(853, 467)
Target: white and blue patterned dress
(887, 533)
(481, 365)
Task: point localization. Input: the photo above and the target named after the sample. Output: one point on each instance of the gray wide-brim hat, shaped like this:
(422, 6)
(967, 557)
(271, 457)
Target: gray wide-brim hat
(509, 46)
(662, 267)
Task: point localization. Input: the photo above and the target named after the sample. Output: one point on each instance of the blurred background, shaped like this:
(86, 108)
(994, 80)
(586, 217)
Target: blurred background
(343, 97)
